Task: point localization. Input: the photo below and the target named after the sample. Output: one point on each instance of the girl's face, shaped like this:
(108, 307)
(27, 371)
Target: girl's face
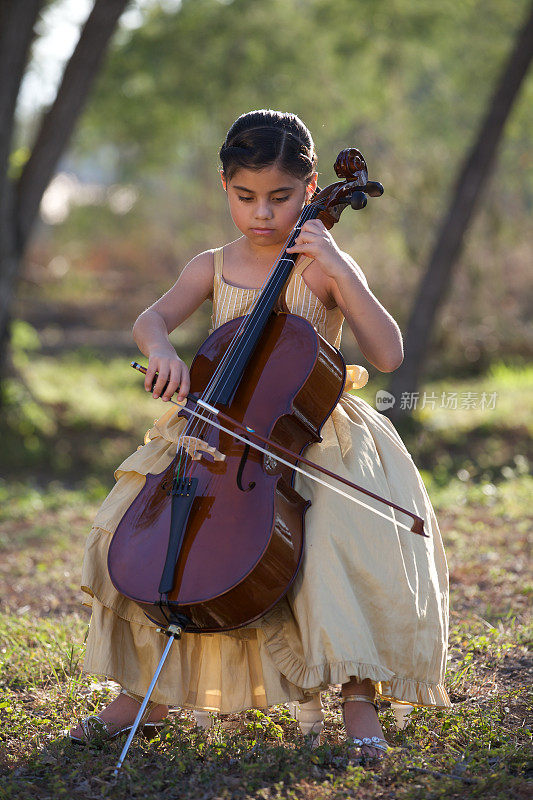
(265, 204)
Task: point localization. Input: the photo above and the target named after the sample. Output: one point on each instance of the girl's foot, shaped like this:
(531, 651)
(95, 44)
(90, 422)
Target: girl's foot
(119, 714)
(360, 718)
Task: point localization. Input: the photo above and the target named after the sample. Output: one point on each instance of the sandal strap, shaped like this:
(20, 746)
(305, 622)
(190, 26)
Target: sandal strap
(376, 742)
(94, 725)
(360, 698)
(372, 741)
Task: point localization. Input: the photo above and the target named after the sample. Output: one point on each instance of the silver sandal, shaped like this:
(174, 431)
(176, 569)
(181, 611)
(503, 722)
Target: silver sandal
(95, 728)
(367, 741)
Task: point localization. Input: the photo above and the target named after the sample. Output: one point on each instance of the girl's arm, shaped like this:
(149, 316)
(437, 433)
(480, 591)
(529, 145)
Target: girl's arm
(152, 327)
(377, 333)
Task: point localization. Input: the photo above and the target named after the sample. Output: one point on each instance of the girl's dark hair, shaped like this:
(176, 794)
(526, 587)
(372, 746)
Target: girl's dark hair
(261, 138)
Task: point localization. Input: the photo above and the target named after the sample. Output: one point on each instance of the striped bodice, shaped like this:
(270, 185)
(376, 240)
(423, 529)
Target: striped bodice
(233, 301)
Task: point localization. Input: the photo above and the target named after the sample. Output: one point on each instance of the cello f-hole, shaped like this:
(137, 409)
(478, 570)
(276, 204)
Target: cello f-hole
(241, 470)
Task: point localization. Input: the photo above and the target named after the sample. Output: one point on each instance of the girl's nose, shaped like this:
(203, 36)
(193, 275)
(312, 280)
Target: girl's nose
(263, 211)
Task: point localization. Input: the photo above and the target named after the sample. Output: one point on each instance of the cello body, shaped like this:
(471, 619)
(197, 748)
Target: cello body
(229, 533)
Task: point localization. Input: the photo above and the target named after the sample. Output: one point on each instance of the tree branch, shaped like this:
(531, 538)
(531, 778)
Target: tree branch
(466, 195)
(59, 122)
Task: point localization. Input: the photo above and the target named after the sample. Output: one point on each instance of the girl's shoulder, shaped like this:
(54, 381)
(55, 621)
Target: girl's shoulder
(196, 277)
(199, 270)
(203, 262)
(233, 251)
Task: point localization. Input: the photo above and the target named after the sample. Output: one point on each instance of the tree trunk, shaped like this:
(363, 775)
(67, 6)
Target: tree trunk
(19, 204)
(471, 179)
(17, 20)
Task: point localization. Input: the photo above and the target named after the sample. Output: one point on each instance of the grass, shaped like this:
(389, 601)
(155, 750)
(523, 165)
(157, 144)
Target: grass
(482, 496)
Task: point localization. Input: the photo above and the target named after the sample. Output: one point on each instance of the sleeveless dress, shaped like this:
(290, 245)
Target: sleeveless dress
(370, 599)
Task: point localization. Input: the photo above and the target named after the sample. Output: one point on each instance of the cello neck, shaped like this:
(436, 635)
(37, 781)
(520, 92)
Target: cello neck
(231, 370)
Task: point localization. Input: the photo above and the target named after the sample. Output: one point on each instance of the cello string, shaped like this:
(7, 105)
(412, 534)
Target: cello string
(244, 333)
(249, 326)
(310, 475)
(241, 332)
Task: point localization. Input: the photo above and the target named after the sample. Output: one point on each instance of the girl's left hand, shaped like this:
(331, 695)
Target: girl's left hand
(315, 241)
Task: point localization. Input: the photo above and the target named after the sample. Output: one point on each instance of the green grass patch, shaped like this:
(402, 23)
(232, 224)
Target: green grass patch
(479, 748)
(482, 495)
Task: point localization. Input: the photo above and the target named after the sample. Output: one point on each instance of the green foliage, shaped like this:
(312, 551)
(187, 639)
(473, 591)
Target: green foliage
(54, 414)
(41, 655)
(24, 338)
(201, 65)
(406, 82)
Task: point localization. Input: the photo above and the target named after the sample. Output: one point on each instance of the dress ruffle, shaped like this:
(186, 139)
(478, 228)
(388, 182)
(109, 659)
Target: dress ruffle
(215, 672)
(318, 677)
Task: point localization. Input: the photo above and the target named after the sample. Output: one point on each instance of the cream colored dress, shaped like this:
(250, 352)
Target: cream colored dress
(370, 599)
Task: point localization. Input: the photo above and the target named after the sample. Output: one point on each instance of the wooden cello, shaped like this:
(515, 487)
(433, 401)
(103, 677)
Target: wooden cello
(215, 540)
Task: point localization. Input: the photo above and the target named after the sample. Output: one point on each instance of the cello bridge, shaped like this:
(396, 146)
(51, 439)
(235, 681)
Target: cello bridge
(194, 447)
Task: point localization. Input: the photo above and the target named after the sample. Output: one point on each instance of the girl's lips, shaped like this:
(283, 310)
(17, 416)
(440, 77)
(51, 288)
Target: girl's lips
(262, 231)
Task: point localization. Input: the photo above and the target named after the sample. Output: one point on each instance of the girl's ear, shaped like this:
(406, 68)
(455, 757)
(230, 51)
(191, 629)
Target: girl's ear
(224, 182)
(311, 186)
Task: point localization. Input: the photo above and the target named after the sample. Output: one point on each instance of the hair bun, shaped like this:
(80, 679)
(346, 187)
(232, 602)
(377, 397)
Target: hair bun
(259, 139)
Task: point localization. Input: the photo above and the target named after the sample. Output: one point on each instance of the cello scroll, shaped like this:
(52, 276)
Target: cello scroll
(350, 165)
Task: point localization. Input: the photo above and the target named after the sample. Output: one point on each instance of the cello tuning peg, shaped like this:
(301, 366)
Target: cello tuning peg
(358, 200)
(374, 189)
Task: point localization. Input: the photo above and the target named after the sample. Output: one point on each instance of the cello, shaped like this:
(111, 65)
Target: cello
(214, 541)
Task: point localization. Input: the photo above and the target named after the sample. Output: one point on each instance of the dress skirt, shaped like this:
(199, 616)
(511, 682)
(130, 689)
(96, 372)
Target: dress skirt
(370, 599)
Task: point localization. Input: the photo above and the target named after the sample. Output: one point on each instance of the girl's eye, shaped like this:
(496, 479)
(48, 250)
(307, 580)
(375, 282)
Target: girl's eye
(275, 199)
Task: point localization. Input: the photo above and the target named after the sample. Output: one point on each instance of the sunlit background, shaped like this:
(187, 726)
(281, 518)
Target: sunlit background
(137, 194)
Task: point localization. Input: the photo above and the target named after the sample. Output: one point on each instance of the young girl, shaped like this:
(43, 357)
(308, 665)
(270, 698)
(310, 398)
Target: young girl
(368, 608)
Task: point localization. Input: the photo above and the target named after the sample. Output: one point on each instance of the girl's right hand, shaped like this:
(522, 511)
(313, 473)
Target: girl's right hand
(172, 371)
